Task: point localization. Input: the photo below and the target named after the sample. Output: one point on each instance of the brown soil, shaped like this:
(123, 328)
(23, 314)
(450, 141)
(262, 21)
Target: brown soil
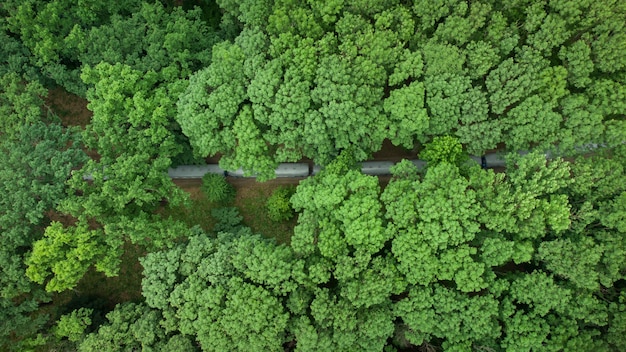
(390, 152)
(193, 185)
(71, 108)
(247, 186)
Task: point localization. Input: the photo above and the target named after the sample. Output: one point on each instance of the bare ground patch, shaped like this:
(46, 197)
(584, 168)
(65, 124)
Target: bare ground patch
(71, 108)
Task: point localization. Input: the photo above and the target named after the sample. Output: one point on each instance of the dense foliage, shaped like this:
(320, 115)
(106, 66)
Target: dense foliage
(131, 59)
(510, 261)
(134, 68)
(308, 79)
(278, 204)
(451, 256)
(36, 158)
(217, 189)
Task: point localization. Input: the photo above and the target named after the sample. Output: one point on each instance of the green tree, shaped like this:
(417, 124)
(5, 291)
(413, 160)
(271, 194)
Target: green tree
(21, 103)
(36, 158)
(278, 204)
(134, 326)
(545, 268)
(227, 292)
(296, 92)
(45, 26)
(174, 42)
(431, 223)
(129, 130)
(444, 149)
(439, 312)
(34, 168)
(350, 272)
(309, 80)
(66, 254)
(73, 325)
(217, 189)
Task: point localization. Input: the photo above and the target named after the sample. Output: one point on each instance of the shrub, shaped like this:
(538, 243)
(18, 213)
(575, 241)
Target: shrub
(343, 163)
(73, 325)
(278, 205)
(444, 149)
(228, 219)
(217, 189)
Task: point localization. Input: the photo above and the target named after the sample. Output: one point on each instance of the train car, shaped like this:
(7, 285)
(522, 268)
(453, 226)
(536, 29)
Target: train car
(194, 171)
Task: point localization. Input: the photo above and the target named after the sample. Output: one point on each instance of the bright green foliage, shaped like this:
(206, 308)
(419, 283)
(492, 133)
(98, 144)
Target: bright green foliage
(613, 213)
(65, 255)
(508, 83)
(609, 36)
(251, 151)
(444, 149)
(351, 212)
(558, 301)
(278, 205)
(408, 118)
(343, 163)
(550, 317)
(574, 260)
(312, 96)
(129, 129)
(336, 325)
(583, 124)
(430, 221)
(598, 213)
(608, 95)
(481, 57)
(313, 78)
(459, 259)
(217, 189)
(533, 120)
(526, 203)
(439, 312)
(340, 232)
(73, 325)
(226, 291)
(222, 105)
(511, 261)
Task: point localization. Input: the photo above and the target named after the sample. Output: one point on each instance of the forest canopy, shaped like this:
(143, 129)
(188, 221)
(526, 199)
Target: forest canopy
(449, 256)
(309, 79)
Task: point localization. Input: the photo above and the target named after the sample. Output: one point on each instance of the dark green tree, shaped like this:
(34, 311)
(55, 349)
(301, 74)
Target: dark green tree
(36, 158)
